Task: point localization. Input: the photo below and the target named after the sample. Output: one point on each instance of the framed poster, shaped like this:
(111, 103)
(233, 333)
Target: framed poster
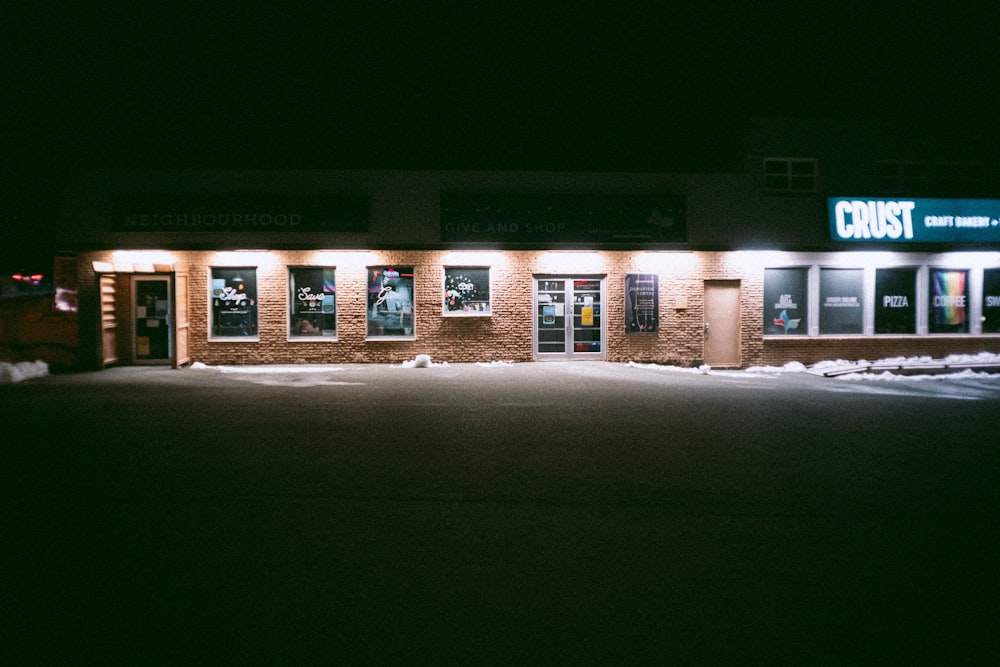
(642, 303)
(786, 294)
(895, 301)
(390, 302)
(841, 301)
(949, 296)
(991, 300)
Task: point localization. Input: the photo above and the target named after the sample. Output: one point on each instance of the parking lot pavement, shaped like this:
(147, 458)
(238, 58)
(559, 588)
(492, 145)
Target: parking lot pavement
(527, 513)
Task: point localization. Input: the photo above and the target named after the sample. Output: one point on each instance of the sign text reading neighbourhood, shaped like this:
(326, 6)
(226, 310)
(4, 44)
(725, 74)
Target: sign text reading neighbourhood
(914, 220)
(323, 213)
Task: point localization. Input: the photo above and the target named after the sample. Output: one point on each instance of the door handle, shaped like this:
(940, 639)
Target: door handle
(706, 328)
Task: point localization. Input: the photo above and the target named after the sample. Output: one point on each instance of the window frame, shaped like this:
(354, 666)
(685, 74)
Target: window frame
(457, 271)
(216, 307)
(786, 181)
(324, 333)
(378, 277)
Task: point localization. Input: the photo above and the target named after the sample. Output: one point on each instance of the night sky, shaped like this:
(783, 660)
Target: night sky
(562, 86)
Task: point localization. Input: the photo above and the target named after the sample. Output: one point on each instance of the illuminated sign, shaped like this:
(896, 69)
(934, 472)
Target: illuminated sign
(914, 220)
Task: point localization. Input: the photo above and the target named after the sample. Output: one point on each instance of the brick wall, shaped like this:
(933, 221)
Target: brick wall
(506, 335)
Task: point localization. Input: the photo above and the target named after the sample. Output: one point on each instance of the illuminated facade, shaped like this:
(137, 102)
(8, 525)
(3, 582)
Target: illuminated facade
(803, 255)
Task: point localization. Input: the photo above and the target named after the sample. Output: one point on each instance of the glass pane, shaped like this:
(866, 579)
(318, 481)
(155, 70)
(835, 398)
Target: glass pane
(152, 331)
(949, 299)
(895, 301)
(467, 290)
(312, 302)
(390, 301)
(234, 301)
(551, 316)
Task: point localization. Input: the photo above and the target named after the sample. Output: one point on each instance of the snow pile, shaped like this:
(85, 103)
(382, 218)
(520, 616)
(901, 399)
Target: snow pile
(669, 369)
(887, 376)
(22, 370)
(790, 367)
(422, 361)
(493, 364)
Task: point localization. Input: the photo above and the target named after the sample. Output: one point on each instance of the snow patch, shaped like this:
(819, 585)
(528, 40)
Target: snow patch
(21, 371)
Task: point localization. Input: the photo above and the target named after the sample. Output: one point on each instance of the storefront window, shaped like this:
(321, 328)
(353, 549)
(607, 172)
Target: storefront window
(312, 302)
(895, 301)
(841, 301)
(466, 290)
(233, 294)
(390, 302)
(949, 301)
(786, 294)
(991, 301)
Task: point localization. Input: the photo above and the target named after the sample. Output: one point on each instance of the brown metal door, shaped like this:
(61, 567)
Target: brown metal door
(722, 323)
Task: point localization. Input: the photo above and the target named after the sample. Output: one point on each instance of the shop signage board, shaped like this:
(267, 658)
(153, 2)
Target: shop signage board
(240, 212)
(875, 220)
(554, 219)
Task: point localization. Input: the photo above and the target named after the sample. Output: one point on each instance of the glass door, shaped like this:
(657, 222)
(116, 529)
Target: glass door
(569, 318)
(151, 338)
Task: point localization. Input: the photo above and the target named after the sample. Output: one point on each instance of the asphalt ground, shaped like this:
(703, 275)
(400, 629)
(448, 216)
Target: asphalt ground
(566, 513)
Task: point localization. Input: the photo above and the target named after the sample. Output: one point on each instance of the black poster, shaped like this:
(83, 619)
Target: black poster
(786, 301)
(642, 303)
(895, 301)
(991, 301)
(840, 300)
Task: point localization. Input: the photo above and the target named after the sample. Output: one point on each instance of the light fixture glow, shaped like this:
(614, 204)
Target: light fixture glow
(578, 262)
(474, 257)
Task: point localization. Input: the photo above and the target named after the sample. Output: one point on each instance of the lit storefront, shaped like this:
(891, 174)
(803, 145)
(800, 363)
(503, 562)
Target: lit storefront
(378, 267)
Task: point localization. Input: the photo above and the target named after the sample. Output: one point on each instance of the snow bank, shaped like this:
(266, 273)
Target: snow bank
(23, 370)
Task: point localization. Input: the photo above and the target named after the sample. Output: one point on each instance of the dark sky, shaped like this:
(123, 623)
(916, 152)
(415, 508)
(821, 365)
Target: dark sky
(537, 85)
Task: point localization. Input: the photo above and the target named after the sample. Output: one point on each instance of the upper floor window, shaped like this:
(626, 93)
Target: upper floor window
(790, 174)
(956, 179)
(920, 178)
(901, 177)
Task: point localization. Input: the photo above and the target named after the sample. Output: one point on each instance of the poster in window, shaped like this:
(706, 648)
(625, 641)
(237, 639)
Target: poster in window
(390, 302)
(786, 301)
(841, 293)
(642, 303)
(312, 305)
(949, 301)
(991, 301)
(895, 301)
(233, 294)
(466, 290)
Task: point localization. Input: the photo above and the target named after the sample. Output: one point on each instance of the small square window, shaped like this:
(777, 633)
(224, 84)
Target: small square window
(790, 174)
(467, 290)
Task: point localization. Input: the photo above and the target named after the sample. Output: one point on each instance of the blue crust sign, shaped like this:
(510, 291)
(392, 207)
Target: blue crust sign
(914, 220)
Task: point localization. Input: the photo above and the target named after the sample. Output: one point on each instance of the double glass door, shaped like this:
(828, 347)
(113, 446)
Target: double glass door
(569, 317)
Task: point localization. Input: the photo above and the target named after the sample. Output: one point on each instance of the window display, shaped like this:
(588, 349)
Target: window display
(991, 301)
(786, 301)
(895, 301)
(390, 302)
(841, 301)
(233, 294)
(312, 302)
(467, 290)
(949, 299)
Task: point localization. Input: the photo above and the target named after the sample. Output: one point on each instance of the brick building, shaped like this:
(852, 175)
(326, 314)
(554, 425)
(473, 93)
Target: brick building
(836, 240)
